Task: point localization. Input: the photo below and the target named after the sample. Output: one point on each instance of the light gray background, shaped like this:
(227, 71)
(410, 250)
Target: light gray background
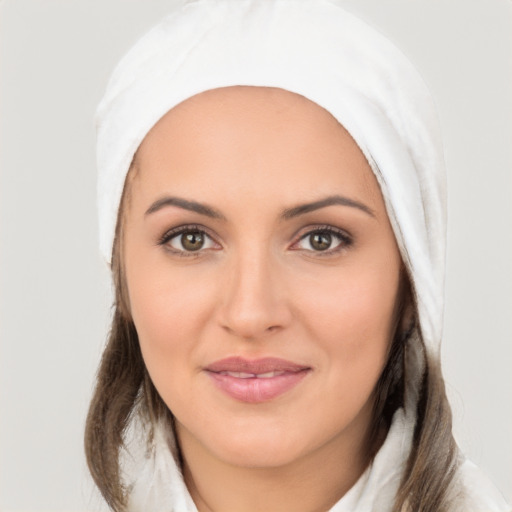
(56, 56)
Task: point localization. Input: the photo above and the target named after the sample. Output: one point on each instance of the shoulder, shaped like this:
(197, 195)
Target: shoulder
(476, 493)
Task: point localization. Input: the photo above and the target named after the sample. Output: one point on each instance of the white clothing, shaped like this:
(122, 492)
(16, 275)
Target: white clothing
(159, 486)
(316, 49)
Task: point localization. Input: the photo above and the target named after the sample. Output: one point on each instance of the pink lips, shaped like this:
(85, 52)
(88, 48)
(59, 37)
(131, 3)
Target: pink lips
(258, 380)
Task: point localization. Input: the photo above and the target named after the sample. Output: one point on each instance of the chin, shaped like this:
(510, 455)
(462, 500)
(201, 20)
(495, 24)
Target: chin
(258, 453)
(260, 442)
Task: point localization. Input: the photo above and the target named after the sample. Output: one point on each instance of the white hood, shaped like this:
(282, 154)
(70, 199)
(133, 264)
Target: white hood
(316, 49)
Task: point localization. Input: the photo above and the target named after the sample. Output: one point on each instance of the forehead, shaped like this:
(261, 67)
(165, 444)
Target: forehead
(247, 137)
(268, 102)
(227, 109)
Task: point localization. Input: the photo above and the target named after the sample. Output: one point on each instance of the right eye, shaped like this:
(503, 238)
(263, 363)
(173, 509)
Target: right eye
(188, 240)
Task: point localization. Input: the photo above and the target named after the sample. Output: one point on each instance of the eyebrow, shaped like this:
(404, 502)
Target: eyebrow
(322, 203)
(288, 213)
(185, 204)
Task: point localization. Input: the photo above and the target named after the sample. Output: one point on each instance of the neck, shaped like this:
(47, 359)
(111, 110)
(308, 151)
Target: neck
(312, 483)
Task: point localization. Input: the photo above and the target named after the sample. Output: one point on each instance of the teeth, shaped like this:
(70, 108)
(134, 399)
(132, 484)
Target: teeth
(240, 375)
(243, 375)
(268, 375)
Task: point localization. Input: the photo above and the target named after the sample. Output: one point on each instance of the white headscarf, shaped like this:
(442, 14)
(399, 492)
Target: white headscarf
(312, 48)
(316, 49)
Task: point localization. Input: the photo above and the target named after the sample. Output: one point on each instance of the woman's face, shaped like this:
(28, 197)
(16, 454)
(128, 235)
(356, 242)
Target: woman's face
(263, 276)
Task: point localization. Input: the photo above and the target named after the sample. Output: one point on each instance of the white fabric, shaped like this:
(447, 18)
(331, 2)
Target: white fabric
(316, 49)
(159, 487)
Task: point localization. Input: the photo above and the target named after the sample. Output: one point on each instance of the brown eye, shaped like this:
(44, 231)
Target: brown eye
(327, 240)
(188, 241)
(320, 241)
(192, 241)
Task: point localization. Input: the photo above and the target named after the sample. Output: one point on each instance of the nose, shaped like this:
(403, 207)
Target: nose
(253, 300)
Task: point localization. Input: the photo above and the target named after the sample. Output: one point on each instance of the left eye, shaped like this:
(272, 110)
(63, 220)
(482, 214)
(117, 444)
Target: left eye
(190, 241)
(323, 241)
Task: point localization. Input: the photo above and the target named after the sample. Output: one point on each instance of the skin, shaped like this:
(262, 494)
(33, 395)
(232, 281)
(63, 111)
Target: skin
(258, 287)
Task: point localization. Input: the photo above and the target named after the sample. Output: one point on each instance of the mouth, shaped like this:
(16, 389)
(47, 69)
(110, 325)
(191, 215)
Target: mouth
(255, 381)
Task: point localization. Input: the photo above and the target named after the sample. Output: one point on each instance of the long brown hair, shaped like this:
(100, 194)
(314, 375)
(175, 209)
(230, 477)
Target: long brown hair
(124, 389)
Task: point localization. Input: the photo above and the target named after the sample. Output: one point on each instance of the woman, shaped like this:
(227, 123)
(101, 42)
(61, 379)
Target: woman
(272, 204)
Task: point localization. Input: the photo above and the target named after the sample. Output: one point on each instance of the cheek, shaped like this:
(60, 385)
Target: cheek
(169, 312)
(352, 318)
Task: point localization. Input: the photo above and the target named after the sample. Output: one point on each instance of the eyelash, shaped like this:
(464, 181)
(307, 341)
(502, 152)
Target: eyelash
(345, 240)
(181, 230)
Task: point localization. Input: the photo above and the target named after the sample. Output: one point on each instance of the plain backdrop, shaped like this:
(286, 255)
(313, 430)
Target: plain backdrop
(56, 56)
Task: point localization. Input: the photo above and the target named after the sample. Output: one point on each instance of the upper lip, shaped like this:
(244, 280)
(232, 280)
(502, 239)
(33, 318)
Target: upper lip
(255, 366)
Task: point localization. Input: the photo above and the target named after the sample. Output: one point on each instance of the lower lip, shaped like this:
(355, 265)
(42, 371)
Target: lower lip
(256, 390)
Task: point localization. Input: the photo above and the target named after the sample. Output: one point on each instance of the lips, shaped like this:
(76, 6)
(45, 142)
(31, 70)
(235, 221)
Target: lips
(254, 381)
